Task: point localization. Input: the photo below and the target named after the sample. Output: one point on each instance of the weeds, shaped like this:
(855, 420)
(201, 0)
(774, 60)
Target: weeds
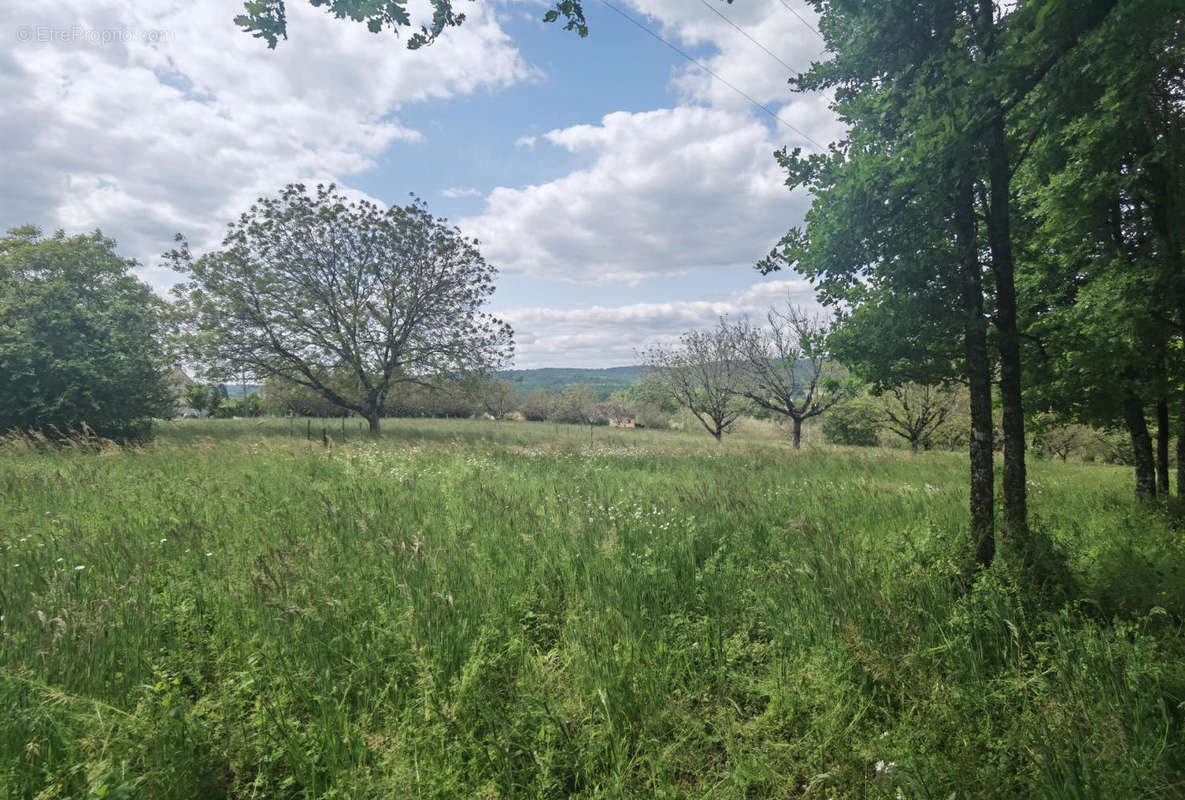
(475, 610)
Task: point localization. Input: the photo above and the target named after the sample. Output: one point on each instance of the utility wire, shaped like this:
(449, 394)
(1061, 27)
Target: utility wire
(708, 70)
(745, 33)
(801, 19)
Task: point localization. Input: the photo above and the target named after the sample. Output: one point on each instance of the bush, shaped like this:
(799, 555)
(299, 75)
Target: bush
(856, 423)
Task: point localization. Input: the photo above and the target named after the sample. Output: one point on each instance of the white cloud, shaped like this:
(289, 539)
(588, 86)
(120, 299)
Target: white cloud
(664, 192)
(455, 191)
(526, 141)
(607, 336)
(181, 129)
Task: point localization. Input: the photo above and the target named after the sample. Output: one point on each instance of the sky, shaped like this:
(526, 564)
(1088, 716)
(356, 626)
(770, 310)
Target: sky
(623, 192)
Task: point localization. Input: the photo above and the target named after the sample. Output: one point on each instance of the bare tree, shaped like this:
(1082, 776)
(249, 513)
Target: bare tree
(787, 368)
(916, 411)
(344, 298)
(702, 373)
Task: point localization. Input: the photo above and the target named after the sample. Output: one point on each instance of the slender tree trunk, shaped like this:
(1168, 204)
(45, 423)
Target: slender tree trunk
(979, 383)
(913, 445)
(1000, 240)
(1181, 448)
(796, 437)
(1137, 426)
(718, 434)
(1162, 446)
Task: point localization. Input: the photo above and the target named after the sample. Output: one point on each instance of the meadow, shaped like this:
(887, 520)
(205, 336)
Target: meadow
(501, 610)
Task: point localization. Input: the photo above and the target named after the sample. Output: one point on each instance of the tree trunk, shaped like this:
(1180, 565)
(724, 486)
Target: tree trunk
(796, 437)
(979, 383)
(1181, 448)
(1137, 426)
(1162, 446)
(372, 419)
(913, 445)
(718, 434)
(1000, 241)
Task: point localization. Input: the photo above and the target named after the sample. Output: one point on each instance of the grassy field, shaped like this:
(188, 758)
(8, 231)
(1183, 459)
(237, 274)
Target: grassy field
(471, 609)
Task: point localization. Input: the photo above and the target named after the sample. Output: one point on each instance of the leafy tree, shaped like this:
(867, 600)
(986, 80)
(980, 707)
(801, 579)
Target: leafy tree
(267, 19)
(197, 397)
(578, 405)
(913, 209)
(80, 338)
(340, 297)
(539, 405)
(856, 423)
(787, 366)
(1102, 195)
(497, 397)
(704, 373)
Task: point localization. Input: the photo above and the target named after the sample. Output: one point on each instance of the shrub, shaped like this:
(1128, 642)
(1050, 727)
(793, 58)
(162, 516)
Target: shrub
(855, 423)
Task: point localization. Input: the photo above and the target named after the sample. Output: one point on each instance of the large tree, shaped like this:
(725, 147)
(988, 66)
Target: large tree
(342, 297)
(80, 338)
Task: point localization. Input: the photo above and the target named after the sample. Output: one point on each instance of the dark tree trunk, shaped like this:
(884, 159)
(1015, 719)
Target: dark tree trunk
(1000, 240)
(718, 434)
(372, 419)
(1162, 446)
(797, 434)
(913, 445)
(1181, 448)
(1137, 426)
(979, 384)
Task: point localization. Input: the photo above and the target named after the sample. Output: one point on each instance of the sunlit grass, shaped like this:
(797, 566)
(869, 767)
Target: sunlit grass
(523, 610)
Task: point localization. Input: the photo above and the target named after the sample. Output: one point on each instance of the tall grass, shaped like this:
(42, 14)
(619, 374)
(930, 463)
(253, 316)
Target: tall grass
(467, 609)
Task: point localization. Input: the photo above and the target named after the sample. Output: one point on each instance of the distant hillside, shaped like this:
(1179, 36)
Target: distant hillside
(604, 381)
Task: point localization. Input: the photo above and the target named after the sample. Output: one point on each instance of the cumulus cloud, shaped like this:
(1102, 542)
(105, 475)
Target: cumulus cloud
(178, 120)
(669, 191)
(608, 336)
(665, 192)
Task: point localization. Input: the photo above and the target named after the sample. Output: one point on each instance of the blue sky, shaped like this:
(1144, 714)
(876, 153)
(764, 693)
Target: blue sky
(623, 193)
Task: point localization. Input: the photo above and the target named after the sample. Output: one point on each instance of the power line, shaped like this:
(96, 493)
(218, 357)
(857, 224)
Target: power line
(745, 33)
(708, 70)
(801, 19)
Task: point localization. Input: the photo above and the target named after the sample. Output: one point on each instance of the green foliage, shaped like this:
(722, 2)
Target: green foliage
(267, 19)
(80, 338)
(344, 298)
(856, 422)
(468, 609)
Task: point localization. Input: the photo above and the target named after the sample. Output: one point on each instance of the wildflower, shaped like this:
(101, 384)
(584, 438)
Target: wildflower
(60, 560)
(209, 554)
(79, 568)
(162, 541)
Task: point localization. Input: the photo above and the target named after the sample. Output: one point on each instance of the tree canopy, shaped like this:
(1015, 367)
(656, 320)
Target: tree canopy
(80, 338)
(342, 297)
